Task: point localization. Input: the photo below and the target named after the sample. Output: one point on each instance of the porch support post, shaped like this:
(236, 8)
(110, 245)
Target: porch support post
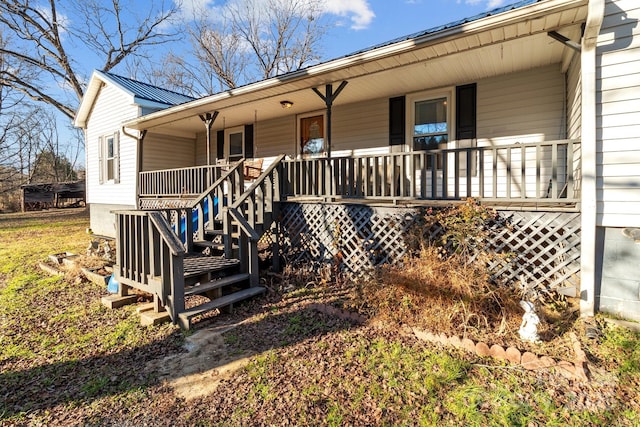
(588, 205)
(208, 120)
(328, 99)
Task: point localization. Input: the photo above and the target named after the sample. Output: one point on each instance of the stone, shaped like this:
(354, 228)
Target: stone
(482, 349)
(455, 341)
(580, 369)
(498, 352)
(530, 361)
(443, 339)
(547, 362)
(469, 345)
(421, 335)
(513, 355)
(566, 369)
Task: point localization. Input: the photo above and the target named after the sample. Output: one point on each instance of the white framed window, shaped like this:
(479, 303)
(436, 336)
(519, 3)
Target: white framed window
(430, 122)
(109, 158)
(311, 134)
(234, 144)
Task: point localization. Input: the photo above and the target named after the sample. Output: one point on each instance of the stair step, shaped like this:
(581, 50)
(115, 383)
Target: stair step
(198, 264)
(216, 284)
(212, 245)
(216, 232)
(185, 317)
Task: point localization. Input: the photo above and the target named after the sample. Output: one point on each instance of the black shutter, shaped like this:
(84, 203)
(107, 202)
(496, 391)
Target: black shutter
(396, 120)
(248, 142)
(466, 111)
(220, 145)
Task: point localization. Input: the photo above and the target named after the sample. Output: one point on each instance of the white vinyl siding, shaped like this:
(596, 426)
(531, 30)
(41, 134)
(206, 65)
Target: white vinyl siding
(618, 116)
(111, 108)
(167, 152)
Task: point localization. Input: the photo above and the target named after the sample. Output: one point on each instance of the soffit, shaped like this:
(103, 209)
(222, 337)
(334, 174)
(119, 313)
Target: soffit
(466, 56)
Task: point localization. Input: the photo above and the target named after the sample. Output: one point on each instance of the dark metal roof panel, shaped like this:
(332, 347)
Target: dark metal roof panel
(149, 92)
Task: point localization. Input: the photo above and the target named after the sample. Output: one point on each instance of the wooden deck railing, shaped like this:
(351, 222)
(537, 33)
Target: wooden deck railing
(150, 257)
(179, 182)
(544, 171)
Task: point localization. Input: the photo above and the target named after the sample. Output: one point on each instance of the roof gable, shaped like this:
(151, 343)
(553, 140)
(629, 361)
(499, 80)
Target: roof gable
(142, 94)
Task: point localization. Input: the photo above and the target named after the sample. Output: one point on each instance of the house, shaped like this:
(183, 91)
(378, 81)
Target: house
(532, 108)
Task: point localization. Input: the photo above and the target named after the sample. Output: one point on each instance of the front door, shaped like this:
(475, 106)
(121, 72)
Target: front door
(234, 144)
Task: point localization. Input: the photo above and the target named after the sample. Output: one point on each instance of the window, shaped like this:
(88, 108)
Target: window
(430, 127)
(430, 124)
(108, 147)
(234, 144)
(312, 135)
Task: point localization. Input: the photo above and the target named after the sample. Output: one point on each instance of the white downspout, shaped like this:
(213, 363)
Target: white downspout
(588, 204)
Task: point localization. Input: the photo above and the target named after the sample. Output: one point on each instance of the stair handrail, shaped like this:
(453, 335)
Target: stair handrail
(217, 186)
(172, 265)
(233, 209)
(248, 239)
(217, 183)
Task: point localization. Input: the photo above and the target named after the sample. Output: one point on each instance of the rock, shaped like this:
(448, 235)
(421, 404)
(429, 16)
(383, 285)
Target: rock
(455, 341)
(547, 362)
(469, 345)
(513, 355)
(566, 369)
(498, 352)
(482, 349)
(530, 361)
(443, 339)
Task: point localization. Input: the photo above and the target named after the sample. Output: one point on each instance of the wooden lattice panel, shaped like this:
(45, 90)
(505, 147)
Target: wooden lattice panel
(542, 247)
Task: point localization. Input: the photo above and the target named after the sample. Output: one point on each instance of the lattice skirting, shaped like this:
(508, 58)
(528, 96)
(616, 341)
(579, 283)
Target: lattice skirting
(543, 247)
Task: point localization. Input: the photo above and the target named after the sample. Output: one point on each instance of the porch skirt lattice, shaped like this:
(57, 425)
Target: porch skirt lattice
(544, 247)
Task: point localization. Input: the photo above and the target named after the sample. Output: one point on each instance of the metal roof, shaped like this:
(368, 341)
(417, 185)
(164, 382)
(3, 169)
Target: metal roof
(146, 91)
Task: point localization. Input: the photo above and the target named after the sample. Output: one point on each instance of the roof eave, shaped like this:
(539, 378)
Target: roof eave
(485, 24)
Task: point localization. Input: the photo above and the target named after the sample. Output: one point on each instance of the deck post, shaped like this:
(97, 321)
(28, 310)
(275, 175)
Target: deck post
(328, 99)
(208, 120)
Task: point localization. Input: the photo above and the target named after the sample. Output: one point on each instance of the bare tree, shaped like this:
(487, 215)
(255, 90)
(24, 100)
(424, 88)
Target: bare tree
(245, 41)
(37, 58)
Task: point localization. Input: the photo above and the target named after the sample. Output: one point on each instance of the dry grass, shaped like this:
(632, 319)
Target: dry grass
(445, 294)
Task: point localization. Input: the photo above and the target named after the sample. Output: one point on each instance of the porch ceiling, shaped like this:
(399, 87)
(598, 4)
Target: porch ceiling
(492, 46)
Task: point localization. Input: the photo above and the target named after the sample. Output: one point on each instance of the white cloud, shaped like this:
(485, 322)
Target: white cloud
(359, 11)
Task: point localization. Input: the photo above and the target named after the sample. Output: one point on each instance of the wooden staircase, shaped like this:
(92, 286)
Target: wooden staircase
(207, 246)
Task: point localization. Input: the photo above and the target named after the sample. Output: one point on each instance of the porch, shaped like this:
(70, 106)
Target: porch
(189, 214)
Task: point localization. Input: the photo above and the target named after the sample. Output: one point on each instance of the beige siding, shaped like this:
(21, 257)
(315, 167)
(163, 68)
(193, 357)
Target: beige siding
(618, 120)
(361, 126)
(167, 152)
(356, 128)
(111, 108)
(522, 107)
(201, 148)
(275, 137)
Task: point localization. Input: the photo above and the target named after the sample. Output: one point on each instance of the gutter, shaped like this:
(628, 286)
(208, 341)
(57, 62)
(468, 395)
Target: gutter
(588, 205)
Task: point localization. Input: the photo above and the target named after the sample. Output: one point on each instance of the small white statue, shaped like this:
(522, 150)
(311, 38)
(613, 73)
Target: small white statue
(529, 326)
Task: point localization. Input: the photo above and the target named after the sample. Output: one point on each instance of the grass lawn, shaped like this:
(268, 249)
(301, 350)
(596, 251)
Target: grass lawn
(67, 360)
